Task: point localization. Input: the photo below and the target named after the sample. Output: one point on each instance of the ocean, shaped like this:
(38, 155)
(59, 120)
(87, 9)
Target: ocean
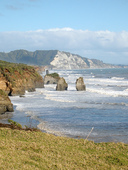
(100, 113)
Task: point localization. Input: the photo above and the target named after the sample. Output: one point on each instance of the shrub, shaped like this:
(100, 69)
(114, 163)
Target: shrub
(15, 123)
(54, 75)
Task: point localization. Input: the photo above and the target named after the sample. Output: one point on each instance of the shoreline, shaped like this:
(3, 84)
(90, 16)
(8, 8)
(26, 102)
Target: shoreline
(26, 118)
(59, 134)
(34, 124)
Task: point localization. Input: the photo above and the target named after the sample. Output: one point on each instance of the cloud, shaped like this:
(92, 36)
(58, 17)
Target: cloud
(111, 47)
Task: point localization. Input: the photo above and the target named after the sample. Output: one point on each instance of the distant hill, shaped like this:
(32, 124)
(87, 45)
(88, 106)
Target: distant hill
(54, 59)
(33, 58)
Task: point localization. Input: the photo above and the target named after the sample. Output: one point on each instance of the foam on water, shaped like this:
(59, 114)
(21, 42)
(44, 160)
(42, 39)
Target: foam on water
(103, 105)
(117, 78)
(109, 92)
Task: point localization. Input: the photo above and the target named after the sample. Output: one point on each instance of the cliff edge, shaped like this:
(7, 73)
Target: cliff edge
(16, 78)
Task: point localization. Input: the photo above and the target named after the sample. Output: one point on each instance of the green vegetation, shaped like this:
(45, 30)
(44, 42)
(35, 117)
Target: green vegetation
(15, 123)
(39, 57)
(12, 71)
(36, 150)
(11, 68)
(2, 93)
(54, 75)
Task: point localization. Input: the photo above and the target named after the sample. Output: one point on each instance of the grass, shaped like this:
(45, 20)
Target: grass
(13, 71)
(54, 75)
(2, 93)
(36, 150)
(8, 69)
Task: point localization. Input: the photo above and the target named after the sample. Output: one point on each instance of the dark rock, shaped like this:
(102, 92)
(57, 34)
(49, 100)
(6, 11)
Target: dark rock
(80, 86)
(61, 85)
(47, 72)
(21, 96)
(10, 108)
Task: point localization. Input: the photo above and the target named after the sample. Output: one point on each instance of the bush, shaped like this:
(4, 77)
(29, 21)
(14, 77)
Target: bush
(15, 123)
(54, 75)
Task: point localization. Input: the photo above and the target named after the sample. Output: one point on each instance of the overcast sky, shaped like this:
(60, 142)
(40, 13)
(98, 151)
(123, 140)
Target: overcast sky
(91, 28)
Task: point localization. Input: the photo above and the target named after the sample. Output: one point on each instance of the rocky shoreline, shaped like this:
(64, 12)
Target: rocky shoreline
(15, 79)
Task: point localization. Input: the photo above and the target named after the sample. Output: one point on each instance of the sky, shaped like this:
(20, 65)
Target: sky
(95, 29)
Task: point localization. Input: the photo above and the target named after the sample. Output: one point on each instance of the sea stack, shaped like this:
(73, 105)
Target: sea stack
(51, 78)
(61, 85)
(80, 86)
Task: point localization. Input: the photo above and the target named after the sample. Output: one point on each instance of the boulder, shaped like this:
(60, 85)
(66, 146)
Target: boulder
(61, 85)
(5, 103)
(10, 107)
(80, 86)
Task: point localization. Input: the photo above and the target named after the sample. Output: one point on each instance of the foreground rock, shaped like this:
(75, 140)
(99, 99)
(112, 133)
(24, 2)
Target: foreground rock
(61, 85)
(80, 86)
(5, 103)
(51, 78)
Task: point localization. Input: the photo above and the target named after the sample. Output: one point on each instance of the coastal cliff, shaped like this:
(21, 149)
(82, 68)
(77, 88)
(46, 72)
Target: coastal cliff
(16, 78)
(54, 59)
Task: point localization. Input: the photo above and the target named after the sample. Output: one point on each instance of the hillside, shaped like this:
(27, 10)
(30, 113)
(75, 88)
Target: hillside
(31, 150)
(31, 58)
(54, 59)
(14, 80)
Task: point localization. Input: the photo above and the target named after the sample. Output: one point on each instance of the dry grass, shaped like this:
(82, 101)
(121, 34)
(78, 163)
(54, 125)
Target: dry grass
(36, 150)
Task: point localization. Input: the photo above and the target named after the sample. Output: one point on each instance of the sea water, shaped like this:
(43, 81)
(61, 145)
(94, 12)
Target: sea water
(102, 109)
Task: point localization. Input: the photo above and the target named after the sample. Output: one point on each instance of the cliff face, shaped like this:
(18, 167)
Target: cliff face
(64, 60)
(5, 103)
(15, 79)
(54, 59)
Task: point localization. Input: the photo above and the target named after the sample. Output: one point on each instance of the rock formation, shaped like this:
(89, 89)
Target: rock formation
(5, 103)
(14, 80)
(51, 78)
(68, 61)
(61, 85)
(80, 86)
